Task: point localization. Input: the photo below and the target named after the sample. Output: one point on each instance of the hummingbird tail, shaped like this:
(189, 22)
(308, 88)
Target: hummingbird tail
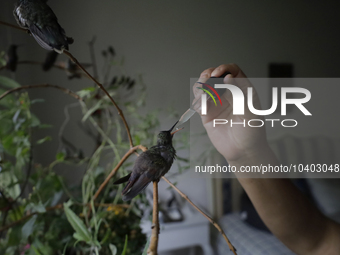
(50, 38)
(134, 187)
(123, 179)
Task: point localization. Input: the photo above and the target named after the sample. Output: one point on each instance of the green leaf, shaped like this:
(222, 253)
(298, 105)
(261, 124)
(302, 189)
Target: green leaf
(92, 110)
(113, 249)
(137, 139)
(125, 245)
(9, 83)
(35, 250)
(27, 229)
(16, 115)
(47, 138)
(82, 233)
(86, 92)
(38, 100)
(145, 252)
(39, 208)
(14, 236)
(60, 156)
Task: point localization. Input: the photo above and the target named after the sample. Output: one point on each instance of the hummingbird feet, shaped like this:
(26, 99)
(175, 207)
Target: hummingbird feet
(69, 40)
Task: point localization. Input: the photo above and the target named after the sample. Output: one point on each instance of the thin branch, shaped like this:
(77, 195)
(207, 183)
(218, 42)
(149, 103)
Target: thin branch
(14, 26)
(67, 91)
(67, 53)
(113, 172)
(120, 112)
(152, 250)
(231, 247)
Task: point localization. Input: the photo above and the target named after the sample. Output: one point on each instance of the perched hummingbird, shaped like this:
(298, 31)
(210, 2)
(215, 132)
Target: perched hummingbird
(12, 58)
(40, 20)
(150, 166)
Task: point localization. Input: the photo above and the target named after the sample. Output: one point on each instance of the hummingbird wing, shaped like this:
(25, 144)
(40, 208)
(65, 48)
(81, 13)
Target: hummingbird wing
(50, 38)
(148, 167)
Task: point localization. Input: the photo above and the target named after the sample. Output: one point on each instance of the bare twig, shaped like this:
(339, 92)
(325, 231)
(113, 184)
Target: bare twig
(67, 53)
(120, 112)
(113, 172)
(231, 247)
(152, 250)
(67, 91)
(14, 26)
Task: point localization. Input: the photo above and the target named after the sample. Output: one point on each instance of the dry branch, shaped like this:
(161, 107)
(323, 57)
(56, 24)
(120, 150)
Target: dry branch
(152, 250)
(65, 90)
(14, 26)
(120, 112)
(231, 247)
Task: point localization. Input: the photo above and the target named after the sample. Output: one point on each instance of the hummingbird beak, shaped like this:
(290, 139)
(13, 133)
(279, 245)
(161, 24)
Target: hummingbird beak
(176, 131)
(173, 126)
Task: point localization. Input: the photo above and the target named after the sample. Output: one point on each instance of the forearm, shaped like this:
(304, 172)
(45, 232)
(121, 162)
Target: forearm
(283, 208)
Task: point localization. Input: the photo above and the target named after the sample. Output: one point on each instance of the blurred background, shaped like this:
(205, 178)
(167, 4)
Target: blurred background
(169, 42)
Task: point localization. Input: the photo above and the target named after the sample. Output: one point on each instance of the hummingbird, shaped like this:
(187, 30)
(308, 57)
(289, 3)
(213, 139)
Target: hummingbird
(150, 166)
(12, 58)
(42, 23)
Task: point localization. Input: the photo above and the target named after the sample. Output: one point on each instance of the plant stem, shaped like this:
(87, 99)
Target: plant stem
(14, 26)
(231, 247)
(73, 59)
(113, 172)
(65, 90)
(120, 112)
(152, 250)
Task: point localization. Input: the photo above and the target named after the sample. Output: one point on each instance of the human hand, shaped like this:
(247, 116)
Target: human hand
(235, 142)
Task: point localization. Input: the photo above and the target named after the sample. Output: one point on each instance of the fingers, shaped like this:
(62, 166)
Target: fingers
(235, 71)
(236, 77)
(206, 74)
